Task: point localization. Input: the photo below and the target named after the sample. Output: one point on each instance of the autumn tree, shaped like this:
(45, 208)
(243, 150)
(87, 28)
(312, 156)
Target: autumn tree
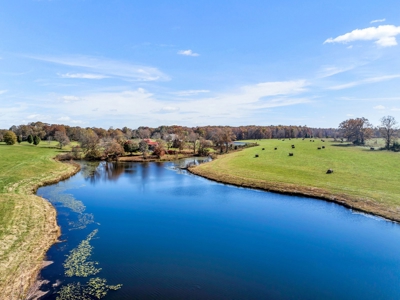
(89, 140)
(131, 146)
(144, 148)
(61, 138)
(388, 129)
(113, 149)
(169, 141)
(357, 130)
(204, 146)
(9, 137)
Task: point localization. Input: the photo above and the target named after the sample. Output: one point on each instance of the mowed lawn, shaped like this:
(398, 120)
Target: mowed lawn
(358, 171)
(28, 224)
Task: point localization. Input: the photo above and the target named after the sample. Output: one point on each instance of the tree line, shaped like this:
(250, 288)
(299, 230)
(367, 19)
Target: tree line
(116, 140)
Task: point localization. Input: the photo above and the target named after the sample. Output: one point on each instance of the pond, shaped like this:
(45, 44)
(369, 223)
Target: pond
(166, 234)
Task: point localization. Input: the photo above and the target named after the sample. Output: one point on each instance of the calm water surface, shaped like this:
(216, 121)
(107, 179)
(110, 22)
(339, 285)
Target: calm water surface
(166, 234)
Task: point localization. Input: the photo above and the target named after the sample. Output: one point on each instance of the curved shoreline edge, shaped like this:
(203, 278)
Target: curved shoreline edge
(354, 203)
(21, 282)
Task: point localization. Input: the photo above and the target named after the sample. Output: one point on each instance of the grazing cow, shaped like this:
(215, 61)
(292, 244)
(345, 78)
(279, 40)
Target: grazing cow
(290, 154)
(323, 147)
(275, 148)
(256, 155)
(330, 171)
(319, 148)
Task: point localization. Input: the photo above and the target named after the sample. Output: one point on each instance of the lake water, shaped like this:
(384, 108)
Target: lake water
(167, 234)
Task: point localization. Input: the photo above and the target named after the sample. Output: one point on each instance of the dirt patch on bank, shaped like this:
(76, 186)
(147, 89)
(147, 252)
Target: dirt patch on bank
(360, 204)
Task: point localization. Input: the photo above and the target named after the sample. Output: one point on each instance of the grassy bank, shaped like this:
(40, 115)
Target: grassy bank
(28, 224)
(362, 179)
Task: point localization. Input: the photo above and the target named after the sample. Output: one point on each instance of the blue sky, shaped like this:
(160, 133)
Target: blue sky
(132, 63)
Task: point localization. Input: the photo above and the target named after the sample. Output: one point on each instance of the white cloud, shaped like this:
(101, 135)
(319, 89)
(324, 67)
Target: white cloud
(68, 99)
(379, 107)
(32, 116)
(83, 76)
(274, 88)
(190, 92)
(108, 67)
(168, 109)
(378, 21)
(349, 115)
(3, 92)
(77, 122)
(364, 81)
(384, 36)
(395, 109)
(188, 53)
(64, 119)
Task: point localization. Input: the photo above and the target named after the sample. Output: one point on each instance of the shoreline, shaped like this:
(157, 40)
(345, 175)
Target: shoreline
(22, 282)
(357, 204)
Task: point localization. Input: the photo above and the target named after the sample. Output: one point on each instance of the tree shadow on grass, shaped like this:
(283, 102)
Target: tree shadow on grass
(343, 145)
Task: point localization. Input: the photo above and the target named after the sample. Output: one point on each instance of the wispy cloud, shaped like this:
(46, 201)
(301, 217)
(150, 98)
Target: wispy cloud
(379, 107)
(188, 53)
(107, 67)
(378, 21)
(3, 92)
(226, 107)
(364, 81)
(384, 35)
(83, 76)
(190, 92)
(328, 71)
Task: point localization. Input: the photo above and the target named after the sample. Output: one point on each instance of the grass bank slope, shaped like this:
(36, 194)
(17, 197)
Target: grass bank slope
(362, 179)
(28, 225)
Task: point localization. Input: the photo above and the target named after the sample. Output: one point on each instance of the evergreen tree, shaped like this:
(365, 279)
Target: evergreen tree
(19, 139)
(36, 140)
(30, 139)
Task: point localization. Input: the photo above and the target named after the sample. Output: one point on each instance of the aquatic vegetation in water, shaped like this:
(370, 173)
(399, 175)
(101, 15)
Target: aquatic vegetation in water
(71, 291)
(96, 288)
(83, 220)
(67, 200)
(77, 262)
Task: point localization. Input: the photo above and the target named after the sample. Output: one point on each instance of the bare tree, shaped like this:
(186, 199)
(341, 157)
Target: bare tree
(388, 129)
(193, 138)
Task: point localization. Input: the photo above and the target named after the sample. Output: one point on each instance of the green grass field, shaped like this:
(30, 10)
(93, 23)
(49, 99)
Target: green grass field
(28, 224)
(358, 172)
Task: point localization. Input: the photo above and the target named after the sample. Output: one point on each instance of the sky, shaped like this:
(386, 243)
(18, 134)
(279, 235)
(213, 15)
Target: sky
(138, 63)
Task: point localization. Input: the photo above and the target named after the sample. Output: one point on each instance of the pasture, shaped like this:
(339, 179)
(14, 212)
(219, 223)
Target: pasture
(363, 175)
